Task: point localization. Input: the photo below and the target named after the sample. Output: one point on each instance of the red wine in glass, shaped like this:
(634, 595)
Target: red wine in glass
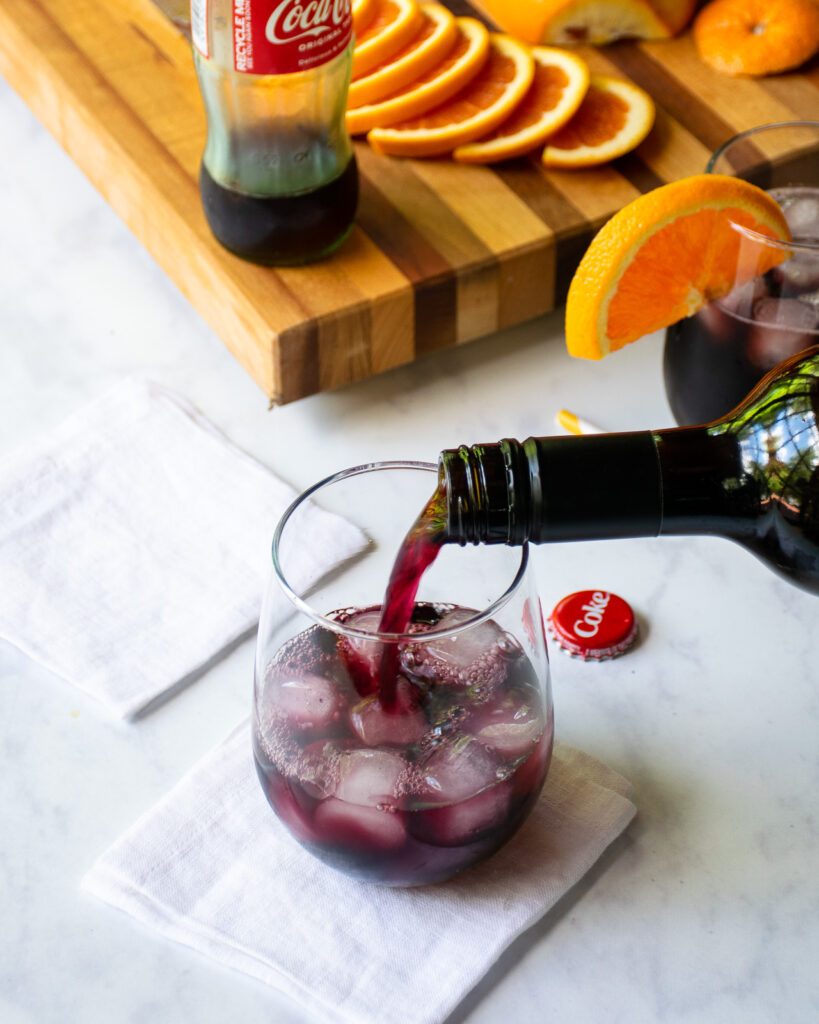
(411, 741)
(413, 791)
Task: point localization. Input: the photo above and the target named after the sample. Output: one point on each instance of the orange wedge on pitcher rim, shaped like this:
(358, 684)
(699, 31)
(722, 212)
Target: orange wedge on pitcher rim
(476, 110)
(392, 26)
(663, 257)
(560, 83)
(460, 66)
(434, 40)
(614, 117)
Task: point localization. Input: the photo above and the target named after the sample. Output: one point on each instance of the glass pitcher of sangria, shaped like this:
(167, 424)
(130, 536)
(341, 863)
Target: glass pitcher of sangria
(715, 357)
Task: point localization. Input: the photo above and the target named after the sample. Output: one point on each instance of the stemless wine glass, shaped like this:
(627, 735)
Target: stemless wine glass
(714, 358)
(412, 789)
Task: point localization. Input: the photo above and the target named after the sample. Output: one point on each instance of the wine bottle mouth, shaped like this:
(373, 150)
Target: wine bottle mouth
(319, 494)
(487, 489)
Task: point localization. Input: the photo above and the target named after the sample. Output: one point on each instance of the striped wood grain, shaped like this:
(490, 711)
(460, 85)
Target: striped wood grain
(441, 254)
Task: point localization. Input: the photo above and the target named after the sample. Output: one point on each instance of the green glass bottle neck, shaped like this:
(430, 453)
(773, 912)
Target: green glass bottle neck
(753, 476)
(595, 487)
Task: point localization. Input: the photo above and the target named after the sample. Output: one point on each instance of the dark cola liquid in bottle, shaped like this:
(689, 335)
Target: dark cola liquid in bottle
(278, 179)
(752, 477)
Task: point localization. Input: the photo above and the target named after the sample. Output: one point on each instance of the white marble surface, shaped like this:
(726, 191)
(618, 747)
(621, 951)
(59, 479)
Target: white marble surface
(707, 911)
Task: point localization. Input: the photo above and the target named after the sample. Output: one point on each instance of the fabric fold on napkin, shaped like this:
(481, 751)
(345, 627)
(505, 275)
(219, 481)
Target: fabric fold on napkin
(135, 546)
(212, 867)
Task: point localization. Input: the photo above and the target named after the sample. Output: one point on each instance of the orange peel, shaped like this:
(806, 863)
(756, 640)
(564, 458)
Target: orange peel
(463, 62)
(393, 25)
(435, 39)
(477, 109)
(664, 256)
(614, 117)
(560, 83)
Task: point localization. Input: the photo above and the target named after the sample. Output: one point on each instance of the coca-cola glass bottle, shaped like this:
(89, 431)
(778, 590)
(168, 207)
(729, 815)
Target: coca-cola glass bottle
(279, 181)
(713, 358)
(399, 758)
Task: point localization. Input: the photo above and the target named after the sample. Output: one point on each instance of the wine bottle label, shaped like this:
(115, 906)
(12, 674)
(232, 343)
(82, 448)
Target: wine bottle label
(276, 37)
(199, 25)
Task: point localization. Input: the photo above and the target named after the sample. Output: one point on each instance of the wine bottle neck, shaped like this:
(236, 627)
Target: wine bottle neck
(594, 487)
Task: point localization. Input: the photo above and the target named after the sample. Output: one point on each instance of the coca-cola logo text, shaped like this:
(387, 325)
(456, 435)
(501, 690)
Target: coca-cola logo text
(295, 19)
(589, 625)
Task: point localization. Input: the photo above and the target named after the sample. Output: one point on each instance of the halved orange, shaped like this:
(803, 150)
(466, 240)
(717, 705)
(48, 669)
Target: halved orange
(363, 14)
(614, 117)
(560, 83)
(563, 22)
(665, 255)
(757, 37)
(461, 65)
(393, 25)
(477, 109)
(426, 50)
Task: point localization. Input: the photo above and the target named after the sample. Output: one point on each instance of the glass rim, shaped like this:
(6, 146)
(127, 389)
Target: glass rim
(719, 152)
(362, 634)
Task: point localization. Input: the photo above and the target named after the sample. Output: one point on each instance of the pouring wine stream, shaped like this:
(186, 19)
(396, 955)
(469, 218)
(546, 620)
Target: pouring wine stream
(417, 553)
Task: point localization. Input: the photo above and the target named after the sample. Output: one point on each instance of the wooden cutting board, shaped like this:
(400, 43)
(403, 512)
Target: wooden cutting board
(441, 254)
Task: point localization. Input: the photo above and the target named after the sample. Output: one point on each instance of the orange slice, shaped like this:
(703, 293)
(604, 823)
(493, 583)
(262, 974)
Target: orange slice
(614, 117)
(666, 254)
(393, 25)
(757, 37)
(461, 64)
(363, 14)
(478, 108)
(564, 22)
(560, 83)
(427, 49)
(675, 13)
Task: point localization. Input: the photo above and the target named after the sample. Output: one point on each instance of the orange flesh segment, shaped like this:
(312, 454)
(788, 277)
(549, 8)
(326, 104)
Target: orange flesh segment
(385, 15)
(695, 255)
(432, 43)
(485, 89)
(427, 28)
(668, 252)
(544, 95)
(600, 117)
(363, 13)
(455, 54)
(464, 59)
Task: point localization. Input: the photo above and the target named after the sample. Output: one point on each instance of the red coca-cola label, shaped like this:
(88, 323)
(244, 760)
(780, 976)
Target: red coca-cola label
(276, 37)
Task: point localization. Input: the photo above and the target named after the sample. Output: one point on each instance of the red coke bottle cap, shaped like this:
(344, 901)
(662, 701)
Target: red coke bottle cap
(593, 625)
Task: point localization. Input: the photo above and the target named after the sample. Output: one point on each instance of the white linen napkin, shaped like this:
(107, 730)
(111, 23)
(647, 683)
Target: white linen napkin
(212, 867)
(135, 545)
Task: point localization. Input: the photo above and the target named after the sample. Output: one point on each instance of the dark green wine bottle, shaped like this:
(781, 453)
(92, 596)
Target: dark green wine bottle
(752, 477)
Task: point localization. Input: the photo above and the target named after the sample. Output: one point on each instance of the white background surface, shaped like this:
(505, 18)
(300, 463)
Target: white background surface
(706, 911)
